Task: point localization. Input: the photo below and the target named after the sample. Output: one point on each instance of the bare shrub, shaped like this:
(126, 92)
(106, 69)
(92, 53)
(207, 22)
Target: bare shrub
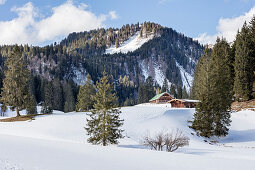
(150, 142)
(159, 140)
(169, 141)
(175, 139)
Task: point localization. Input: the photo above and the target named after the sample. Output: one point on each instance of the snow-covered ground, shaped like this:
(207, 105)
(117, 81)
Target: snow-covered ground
(130, 45)
(58, 141)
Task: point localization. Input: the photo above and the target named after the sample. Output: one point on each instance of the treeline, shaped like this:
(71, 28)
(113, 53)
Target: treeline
(96, 41)
(224, 74)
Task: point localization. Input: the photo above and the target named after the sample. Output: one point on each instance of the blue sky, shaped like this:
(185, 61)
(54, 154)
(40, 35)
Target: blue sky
(42, 21)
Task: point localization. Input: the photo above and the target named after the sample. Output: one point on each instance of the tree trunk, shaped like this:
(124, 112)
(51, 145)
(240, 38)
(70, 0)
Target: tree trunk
(17, 111)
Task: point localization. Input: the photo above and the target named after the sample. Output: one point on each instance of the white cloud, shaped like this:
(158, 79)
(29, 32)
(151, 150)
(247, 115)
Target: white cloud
(66, 18)
(2, 2)
(113, 15)
(227, 28)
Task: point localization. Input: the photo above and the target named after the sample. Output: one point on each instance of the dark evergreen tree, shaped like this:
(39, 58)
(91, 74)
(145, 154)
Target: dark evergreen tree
(221, 86)
(203, 117)
(58, 98)
(148, 90)
(69, 98)
(179, 92)
(252, 29)
(184, 93)
(165, 86)
(104, 124)
(140, 94)
(31, 105)
(173, 90)
(14, 91)
(243, 65)
(213, 85)
(47, 106)
(85, 100)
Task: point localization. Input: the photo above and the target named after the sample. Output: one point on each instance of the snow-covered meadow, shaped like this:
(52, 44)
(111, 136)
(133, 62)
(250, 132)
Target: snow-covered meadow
(58, 142)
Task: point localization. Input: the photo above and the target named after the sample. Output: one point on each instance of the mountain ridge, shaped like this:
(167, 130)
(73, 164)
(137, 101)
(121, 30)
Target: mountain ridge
(166, 54)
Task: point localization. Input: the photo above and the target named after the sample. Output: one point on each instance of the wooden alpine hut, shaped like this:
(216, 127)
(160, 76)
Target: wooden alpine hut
(183, 103)
(161, 98)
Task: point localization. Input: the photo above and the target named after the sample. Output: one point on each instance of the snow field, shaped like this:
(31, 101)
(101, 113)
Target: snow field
(58, 141)
(130, 45)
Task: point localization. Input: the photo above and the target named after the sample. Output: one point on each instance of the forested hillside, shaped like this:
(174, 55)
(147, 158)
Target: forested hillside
(165, 58)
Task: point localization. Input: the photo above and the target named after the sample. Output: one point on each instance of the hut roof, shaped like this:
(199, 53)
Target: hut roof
(158, 96)
(184, 100)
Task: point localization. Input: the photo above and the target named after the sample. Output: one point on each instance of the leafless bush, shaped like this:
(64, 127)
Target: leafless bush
(175, 139)
(169, 141)
(150, 142)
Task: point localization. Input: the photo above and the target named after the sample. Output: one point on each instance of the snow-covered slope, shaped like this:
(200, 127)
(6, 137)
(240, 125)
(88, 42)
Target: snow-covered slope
(154, 70)
(58, 141)
(130, 45)
(187, 79)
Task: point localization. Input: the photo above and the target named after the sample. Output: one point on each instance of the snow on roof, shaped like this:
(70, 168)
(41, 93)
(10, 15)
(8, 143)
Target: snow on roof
(189, 100)
(185, 100)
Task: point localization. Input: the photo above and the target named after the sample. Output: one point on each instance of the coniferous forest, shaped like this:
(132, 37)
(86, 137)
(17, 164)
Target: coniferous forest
(224, 74)
(54, 83)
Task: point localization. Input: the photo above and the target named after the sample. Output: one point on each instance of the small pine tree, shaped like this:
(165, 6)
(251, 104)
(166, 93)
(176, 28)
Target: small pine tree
(69, 98)
(85, 101)
(140, 94)
(184, 93)
(148, 90)
(173, 91)
(31, 105)
(117, 44)
(46, 109)
(164, 86)
(179, 92)
(14, 91)
(47, 106)
(58, 98)
(104, 123)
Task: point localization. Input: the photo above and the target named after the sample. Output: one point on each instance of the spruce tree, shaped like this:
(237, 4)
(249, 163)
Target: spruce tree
(31, 105)
(148, 90)
(173, 90)
(85, 100)
(243, 65)
(164, 86)
(140, 93)
(213, 85)
(58, 97)
(47, 106)
(69, 98)
(203, 117)
(103, 127)
(221, 85)
(14, 91)
(252, 30)
(184, 93)
(179, 92)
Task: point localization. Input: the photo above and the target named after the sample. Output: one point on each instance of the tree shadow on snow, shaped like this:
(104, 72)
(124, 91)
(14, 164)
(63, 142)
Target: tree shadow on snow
(240, 136)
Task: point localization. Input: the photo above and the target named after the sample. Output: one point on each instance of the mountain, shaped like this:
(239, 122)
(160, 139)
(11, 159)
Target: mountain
(139, 50)
(136, 50)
